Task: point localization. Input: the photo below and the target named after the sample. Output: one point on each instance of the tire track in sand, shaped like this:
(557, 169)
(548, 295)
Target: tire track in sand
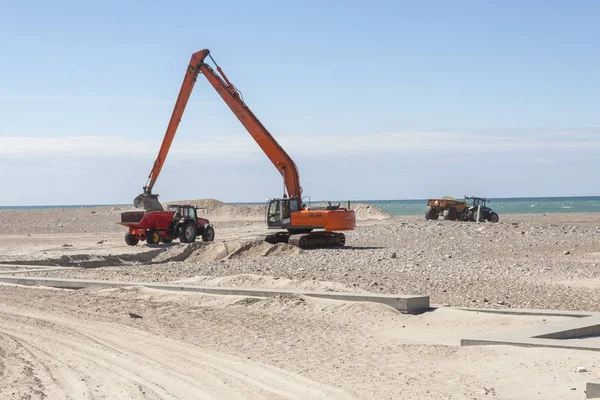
(78, 359)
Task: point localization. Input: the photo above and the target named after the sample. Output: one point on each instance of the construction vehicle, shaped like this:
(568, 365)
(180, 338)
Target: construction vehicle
(470, 209)
(179, 222)
(303, 226)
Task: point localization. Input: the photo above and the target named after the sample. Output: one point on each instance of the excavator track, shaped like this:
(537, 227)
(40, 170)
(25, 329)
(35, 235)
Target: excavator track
(317, 240)
(312, 240)
(279, 237)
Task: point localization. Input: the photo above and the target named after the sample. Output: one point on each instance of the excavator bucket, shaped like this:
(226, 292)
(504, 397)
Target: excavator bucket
(148, 202)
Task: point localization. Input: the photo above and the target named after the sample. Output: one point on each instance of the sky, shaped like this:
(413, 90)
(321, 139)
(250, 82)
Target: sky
(372, 99)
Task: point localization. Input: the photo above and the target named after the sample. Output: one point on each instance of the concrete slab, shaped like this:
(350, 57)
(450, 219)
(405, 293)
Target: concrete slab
(592, 390)
(528, 311)
(404, 303)
(579, 333)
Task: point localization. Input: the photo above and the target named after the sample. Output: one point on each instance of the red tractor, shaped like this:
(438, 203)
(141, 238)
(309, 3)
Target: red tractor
(180, 221)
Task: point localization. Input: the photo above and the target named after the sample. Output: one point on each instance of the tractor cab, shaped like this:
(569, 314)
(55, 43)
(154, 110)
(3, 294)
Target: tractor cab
(184, 211)
(279, 212)
(475, 202)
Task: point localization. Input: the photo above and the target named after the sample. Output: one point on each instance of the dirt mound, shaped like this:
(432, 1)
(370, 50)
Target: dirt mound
(176, 252)
(215, 251)
(216, 210)
(269, 282)
(368, 212)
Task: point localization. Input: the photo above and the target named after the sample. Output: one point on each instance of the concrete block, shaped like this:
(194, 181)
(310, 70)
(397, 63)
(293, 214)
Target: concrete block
(592, 390)
(408, 304)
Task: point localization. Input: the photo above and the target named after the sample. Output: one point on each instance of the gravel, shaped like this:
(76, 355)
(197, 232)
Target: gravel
(525, 261)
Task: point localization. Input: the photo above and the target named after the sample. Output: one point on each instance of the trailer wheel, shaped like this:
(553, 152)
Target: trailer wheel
(188, 233)
(209, 234)
(450, 213)
(493, 217)
(131, 239)
(152, 237)
(431, 213)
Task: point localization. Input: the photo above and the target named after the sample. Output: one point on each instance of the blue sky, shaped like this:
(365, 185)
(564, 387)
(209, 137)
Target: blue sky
(374, 100)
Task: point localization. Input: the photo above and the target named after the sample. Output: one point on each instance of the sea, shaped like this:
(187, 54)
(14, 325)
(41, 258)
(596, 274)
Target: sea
(517, 205)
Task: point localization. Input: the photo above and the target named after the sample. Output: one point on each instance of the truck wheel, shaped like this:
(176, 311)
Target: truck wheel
(209, 234)
(450, 214)
(493, 217)
(188, 233)
(431, 213)
(152, 237)
(131, 239)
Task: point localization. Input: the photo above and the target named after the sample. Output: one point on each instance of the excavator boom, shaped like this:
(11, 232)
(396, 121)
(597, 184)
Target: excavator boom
(280, 159)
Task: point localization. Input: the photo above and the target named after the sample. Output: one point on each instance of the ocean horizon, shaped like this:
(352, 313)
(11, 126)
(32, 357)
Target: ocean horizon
(515, 205)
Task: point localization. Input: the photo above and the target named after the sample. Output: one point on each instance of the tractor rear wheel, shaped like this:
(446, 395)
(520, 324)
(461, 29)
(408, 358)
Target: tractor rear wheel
(209, 234)
(493, 217)
(450, 214)
(431, 213)
(188, 233)
(152, 237)
(131, 240)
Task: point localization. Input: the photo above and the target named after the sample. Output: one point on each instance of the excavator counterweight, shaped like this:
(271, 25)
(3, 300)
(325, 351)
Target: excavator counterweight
(304, 227)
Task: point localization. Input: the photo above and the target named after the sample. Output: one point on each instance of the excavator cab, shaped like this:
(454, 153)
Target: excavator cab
(279, 212)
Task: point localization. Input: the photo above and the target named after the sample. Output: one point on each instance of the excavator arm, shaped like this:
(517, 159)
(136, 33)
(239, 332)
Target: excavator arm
(232, 97)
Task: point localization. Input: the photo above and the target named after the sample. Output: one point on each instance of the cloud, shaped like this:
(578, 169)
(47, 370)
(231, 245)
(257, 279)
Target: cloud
(452, 144)
(113, 146)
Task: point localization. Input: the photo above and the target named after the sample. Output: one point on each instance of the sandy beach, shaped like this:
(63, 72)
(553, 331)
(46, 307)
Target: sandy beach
(59, 343)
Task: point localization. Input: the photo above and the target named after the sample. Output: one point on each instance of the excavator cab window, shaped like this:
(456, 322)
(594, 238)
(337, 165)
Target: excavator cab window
(274, 213)
(285, 209)
(279, 213)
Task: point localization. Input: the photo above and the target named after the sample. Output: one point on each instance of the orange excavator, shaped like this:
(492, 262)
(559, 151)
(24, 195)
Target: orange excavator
(302, 226)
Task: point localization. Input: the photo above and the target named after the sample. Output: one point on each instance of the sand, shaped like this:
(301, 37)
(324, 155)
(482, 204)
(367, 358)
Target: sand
(84, 344)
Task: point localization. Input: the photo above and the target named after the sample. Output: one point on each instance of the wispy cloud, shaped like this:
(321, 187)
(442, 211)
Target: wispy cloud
(455, 143)
(114, 146)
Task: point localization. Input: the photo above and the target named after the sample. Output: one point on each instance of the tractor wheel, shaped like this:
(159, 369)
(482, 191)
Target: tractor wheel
(167, 239)
(473, 216)
(131, 239)
(209, 234)
(450, 214)
(493, 217)
(152, 237)
(431, 213)
(188, 233)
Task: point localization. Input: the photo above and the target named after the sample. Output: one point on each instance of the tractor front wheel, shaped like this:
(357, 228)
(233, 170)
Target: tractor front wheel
(131, 240)
(152, 237)
(209, 234)
(493, 217)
